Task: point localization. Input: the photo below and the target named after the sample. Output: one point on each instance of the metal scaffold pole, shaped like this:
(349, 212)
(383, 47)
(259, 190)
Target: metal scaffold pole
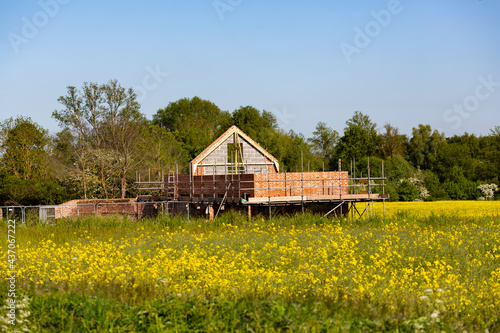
(383, 189)
(302, 180)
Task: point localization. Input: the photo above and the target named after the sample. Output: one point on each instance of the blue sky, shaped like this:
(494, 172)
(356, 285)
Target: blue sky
(404, 62)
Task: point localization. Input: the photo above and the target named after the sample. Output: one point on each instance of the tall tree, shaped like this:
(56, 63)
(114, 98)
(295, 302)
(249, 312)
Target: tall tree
(260, 126)
(323, 142)
(359, 139)
(424, 146)
(106, 131)
(162, 153)
(5, 127)
(24, 147)
(295, 153)
(195, 122)
(123, 128)
(391, 143)
(74, 119)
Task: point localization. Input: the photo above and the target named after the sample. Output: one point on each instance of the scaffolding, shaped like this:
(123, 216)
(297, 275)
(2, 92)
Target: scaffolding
(337, 189)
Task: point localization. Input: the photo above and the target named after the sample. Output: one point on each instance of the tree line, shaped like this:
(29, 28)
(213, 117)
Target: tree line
(105, 140)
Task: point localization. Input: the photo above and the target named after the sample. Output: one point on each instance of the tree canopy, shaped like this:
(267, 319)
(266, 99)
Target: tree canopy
(105, 140)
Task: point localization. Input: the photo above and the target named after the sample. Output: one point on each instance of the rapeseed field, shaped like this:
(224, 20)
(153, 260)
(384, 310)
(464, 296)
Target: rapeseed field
(426, 266)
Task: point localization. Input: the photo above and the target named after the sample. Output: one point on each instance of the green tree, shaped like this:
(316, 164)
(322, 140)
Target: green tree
(492, 153)
(260, 126)
(407, 191)
(424, 146)
(397, 168)
(104, 130)
(162, 153)
(359, 139)
(195, 122)
(25, 155)
(323, 143)
(30, 192)
(123, 128)
(458, 187)
(434, 186)
(80, 120)
(390, 142)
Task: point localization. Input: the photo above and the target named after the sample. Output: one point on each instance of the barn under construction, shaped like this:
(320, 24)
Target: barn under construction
(235, 172)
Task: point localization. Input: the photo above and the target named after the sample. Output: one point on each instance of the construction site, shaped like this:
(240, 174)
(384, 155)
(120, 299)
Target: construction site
(232, 173)
(236, 173)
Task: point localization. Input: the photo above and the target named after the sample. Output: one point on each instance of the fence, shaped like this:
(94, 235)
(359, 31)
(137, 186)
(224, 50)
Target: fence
(135, 210)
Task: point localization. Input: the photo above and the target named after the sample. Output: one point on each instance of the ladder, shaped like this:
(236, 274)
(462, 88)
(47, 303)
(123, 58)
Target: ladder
(171, 185)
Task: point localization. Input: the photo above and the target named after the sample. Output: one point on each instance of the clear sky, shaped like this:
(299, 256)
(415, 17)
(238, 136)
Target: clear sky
(404, 62)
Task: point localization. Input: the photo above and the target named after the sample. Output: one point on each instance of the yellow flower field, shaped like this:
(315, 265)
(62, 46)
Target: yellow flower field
(465, 209)
(403, 265)
(453, 269)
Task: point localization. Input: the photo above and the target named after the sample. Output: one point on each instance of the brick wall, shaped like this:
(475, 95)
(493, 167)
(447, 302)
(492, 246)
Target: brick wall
(104, 207)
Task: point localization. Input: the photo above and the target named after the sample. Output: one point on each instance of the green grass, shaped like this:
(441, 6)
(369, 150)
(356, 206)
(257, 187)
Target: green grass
(54, 312)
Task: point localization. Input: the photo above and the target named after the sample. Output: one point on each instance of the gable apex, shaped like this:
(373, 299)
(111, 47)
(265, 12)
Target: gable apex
(221, 139)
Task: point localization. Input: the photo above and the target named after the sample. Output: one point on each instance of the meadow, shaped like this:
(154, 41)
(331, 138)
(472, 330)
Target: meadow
(426, 266)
